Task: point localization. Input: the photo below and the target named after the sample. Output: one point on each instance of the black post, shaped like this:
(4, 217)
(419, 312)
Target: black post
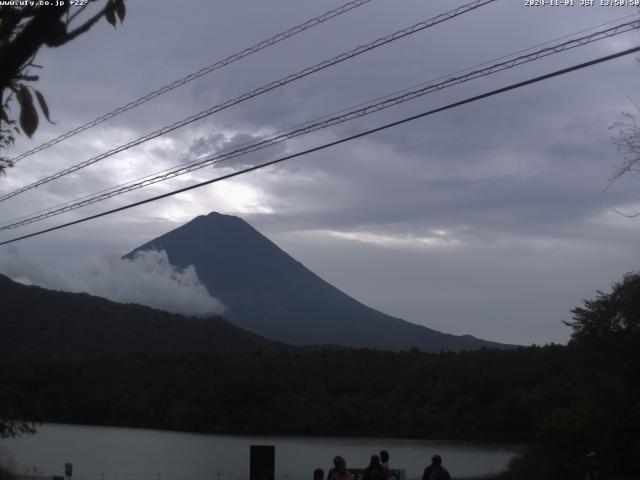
(263, 462)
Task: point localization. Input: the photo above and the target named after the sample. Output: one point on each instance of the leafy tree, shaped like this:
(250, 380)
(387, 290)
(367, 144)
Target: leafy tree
(610, 315)
(23, 31)
(606, 331)
(606, 342)
(602, 413)
(13, 413)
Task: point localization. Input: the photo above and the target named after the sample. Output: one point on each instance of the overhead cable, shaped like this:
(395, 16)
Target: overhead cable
(192, 76)
(321, 124)
(450, 106)
(259, 91)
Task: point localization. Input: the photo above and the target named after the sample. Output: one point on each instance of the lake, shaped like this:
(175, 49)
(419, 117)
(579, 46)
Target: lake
(112, 453)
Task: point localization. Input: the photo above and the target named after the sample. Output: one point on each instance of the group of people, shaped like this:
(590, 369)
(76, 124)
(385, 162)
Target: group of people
(378, 469)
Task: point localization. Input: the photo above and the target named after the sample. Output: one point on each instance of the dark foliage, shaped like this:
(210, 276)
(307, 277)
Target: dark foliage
(15, 409)
(43, 324)
(24, 30)
(604, 415)
(486, 394)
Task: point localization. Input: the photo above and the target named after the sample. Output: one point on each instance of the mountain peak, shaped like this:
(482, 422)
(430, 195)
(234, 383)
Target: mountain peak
(215, 218)
(271, 294)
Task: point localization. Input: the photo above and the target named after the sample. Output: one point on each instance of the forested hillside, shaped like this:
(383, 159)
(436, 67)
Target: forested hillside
(39, 324)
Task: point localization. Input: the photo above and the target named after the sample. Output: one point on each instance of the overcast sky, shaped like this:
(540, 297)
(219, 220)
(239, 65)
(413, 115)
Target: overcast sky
(491, 219)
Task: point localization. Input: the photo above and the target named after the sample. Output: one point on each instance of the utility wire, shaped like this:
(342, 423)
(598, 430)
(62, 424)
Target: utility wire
(413, 87)
(265, 88)
(450, 106)
(192, 76)
(310, 127)
(321, 124)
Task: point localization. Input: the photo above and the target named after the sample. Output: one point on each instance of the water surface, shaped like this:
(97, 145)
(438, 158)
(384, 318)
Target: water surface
(113, 453)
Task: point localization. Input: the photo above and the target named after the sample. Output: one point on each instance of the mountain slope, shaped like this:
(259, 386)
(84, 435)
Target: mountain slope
(37, 324)
(270, 293)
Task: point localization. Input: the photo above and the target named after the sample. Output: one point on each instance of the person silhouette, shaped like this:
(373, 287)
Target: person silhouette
(436, 471)
(384, 459)
(374, 471)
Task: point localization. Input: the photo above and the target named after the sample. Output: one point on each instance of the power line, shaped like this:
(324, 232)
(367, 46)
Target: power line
(406, 89)
(310, 127)
(192, 76)
(318, 125)
(259, 91)
(450, 106)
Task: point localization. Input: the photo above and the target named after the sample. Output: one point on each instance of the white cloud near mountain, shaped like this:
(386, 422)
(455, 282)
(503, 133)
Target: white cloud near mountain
(147, 279)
